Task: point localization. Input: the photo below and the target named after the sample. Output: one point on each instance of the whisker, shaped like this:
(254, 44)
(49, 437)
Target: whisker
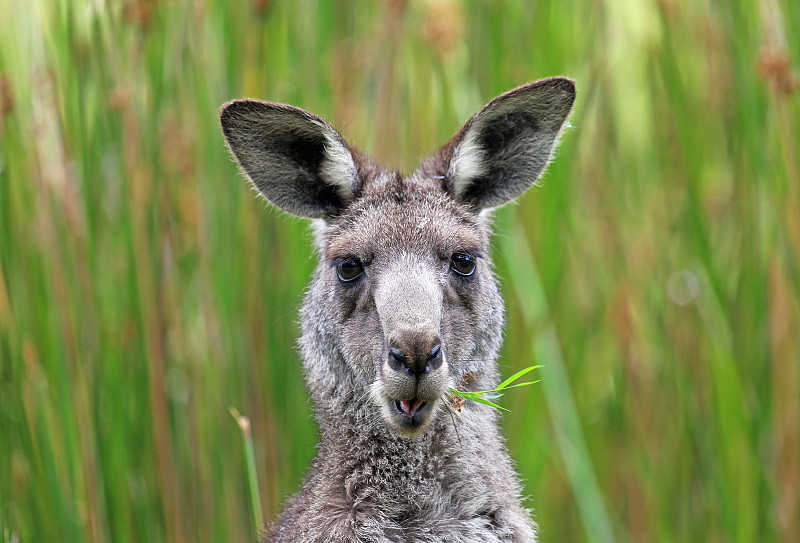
(450, 410)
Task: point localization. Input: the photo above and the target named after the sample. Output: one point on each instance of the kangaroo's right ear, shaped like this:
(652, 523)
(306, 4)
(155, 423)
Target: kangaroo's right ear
(294, 158)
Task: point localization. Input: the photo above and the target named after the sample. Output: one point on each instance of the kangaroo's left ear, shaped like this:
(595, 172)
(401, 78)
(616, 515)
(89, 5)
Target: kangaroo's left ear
(503, 149)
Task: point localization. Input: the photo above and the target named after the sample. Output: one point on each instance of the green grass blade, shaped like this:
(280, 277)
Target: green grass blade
(475, 397)
(250, 464)
(527, 383)
(484, 401)
(516, 376)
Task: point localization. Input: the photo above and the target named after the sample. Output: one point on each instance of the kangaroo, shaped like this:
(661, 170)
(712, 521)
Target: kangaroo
(403, 305)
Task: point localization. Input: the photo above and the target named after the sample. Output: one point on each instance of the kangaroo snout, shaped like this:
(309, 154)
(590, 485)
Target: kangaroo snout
(414, 379)
(414, 367)
(414, 373)
(415, 353)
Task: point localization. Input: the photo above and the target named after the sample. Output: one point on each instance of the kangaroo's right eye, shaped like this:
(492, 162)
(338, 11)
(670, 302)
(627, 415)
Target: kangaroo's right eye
(349, 270)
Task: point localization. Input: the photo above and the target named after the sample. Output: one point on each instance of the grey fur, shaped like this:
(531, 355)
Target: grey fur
(385, 472)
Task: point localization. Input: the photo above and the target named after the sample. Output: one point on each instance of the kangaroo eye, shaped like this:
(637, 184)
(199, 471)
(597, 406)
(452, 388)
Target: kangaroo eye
(349, 270)
(462, 264)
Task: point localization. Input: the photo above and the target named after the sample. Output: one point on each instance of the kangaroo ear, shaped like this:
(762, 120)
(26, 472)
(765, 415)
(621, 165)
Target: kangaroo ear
(295, 159)
(504, 148)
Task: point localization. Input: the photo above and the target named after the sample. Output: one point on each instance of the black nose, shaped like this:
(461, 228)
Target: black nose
(397, 360)
(435, 356)
(414, 358)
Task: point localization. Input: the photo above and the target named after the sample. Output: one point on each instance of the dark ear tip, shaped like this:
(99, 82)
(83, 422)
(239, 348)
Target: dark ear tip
(230, 110)
(550, 86)
(563, 84)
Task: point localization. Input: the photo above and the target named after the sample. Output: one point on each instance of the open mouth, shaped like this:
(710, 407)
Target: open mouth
(409, 408)
(410, 417)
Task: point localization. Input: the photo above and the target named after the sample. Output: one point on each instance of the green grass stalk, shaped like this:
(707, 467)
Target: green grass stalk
(250, 464)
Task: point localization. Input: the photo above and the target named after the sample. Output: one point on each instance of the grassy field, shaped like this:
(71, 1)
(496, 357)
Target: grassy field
(144, 291)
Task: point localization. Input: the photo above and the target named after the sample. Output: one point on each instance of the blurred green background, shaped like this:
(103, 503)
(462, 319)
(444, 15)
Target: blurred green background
(144, 290)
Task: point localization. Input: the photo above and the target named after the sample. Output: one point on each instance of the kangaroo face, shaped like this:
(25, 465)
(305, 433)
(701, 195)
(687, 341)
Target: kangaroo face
(407, 270)
(403, 303)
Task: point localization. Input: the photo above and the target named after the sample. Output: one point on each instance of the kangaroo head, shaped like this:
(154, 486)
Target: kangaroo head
(403, 303)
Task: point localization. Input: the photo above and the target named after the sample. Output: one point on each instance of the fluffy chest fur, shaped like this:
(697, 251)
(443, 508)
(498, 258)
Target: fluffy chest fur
(445, 486)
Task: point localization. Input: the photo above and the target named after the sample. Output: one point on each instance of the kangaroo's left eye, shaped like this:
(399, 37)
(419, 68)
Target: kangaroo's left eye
(463, 264)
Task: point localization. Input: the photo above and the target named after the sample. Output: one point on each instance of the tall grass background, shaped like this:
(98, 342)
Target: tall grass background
(144, 290)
